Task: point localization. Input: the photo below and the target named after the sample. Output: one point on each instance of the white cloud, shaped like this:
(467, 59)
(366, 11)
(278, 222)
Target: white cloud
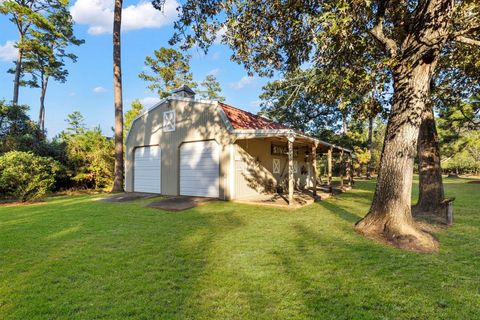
(213, 72)
(99, 89)
(98, 15)
(242, 83)
(220, 35)
(149, 101)
(8, 52)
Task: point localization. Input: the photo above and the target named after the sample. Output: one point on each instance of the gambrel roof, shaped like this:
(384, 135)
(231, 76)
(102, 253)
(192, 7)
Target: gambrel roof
(245, 125)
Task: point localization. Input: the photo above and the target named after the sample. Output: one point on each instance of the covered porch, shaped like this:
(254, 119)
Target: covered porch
(299, 183)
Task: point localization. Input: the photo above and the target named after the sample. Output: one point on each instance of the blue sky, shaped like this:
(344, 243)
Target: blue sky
(89, 87)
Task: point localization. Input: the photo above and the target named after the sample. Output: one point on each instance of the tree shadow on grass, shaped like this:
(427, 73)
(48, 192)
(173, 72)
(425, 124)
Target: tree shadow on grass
(223, 261)
(127, 262)
(340, 212)
(341, 278)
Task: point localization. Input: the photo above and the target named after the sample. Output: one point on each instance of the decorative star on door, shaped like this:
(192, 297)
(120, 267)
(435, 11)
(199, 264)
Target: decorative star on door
(276, 165)
(169, 121)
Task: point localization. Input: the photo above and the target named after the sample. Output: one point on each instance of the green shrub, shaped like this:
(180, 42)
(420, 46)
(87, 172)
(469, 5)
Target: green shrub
(91, 158)
(25, 176)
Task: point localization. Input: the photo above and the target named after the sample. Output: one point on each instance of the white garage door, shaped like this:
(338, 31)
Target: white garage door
(199, 169)
(147, 169)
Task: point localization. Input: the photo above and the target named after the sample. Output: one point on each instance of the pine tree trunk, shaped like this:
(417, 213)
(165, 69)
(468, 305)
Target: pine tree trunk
(117, 84)
(370, 147)
(41, 113)
(431, 194)
(390, 215)
(18, 71)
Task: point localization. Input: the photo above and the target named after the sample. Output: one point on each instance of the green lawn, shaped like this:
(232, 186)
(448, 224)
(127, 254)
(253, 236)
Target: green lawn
(76, 258)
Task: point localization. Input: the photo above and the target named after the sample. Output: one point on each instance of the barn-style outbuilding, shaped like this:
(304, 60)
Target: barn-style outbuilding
(192, 147)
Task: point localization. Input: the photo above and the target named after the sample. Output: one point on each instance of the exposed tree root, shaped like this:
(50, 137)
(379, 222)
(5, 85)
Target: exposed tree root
(404, 235)
(430, 226)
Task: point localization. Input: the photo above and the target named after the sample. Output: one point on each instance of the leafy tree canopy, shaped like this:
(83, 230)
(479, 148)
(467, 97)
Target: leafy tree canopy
(18, 131)
(46, 51)
(31, 13)
(210, 89)
(75, 122)
(30, 16)
(130, 115)
(167, 69)
(277, 35)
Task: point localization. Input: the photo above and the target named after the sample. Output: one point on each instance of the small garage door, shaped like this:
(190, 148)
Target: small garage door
(199, 169)
(147, 169)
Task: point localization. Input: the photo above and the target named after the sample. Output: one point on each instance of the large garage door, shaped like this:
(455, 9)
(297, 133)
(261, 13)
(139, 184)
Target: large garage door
(147, 169)
(199, 169)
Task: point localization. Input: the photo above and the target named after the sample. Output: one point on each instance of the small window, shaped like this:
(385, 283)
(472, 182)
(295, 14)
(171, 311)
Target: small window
(276, 165)
(295, 166)
(169, 121)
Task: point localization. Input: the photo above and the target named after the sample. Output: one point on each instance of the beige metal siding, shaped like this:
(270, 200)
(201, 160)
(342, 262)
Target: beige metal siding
(195, 121)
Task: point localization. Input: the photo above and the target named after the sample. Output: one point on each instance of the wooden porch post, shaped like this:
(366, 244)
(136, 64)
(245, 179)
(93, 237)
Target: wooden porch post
(349, 170)
(342, 163)
(314, 169)
(329, 166)
(290, 138)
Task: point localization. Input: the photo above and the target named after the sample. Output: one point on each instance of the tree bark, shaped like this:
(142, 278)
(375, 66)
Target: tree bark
(41, 113)
(117, 84)
(18, 72)
(431, 194)
(390, 215)
(344, 123)
(370, 147)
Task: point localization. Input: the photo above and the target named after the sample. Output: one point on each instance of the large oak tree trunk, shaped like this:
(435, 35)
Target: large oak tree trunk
(431, 194)
(390, 215)
(117, 84)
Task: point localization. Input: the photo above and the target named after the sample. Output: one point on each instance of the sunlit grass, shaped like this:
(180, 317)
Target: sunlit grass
(77, 258)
